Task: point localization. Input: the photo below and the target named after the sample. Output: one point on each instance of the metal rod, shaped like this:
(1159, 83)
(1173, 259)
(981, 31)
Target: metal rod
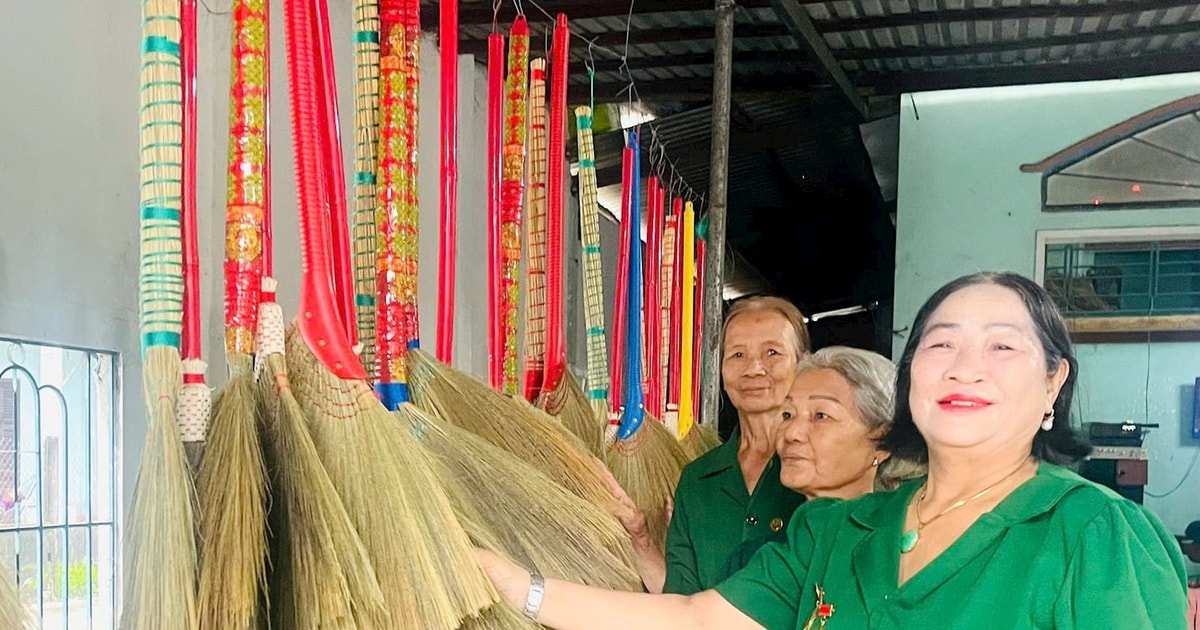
(714, 280)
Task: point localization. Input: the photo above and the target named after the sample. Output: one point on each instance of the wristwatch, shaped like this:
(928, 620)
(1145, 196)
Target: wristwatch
(537, 590)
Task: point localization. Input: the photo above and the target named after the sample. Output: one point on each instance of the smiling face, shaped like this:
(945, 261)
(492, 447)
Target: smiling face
(825, 447)
(980, 379)
(759, 361)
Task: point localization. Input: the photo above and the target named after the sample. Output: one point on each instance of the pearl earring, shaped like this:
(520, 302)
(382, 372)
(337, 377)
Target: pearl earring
(874, 461)
(1048, 421)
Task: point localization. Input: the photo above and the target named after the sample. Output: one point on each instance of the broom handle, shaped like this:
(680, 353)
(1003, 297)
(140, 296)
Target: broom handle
(268, 235)
(653, 301)
(556, 330)
(246, 178)
(687, 409)
(319, 322)
(670, 278)
(512, 194)
(411, 59)
(495, 125)
(395, 279)
(676, 326)
(635, 408)
(190, 342)
(593, 272)
(697, 360)
(621, 307)
(366, 130)
(448, 39)
(335, 174)
(535, 232)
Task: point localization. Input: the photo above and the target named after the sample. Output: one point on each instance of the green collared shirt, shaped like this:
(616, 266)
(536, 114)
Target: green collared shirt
(1059, 552)
(714, 515)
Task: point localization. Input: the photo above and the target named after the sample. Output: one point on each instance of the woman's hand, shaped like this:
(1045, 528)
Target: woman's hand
(627, 512)
(511, 579)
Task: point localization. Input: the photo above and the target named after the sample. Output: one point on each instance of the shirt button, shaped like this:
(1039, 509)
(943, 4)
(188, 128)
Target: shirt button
(752, 520)
(776, 524)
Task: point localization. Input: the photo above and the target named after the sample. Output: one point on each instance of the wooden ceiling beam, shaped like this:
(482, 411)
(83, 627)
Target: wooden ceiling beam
(616, 39)
(905, 52)
(698, 89)
(942, 16)
(1051, 72)
(480, 13)
(796, 17)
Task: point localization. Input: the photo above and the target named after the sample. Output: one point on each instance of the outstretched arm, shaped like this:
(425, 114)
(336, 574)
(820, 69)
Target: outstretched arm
(568, 606)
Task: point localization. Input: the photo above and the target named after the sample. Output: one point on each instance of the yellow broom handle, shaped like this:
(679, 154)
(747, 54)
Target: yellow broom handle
(688, 251)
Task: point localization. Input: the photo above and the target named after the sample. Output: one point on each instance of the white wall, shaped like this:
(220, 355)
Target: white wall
(69, 187)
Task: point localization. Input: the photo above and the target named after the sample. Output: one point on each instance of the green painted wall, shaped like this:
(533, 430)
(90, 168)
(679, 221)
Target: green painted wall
(965, 206)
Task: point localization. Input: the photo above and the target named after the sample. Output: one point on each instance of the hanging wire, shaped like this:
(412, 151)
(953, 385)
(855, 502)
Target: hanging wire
(679, 183)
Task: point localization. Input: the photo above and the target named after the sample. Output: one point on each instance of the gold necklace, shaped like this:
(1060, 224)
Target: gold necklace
(910, 538)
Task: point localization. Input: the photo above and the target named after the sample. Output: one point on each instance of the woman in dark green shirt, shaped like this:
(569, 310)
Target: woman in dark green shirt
(998, 535)
(732, 494)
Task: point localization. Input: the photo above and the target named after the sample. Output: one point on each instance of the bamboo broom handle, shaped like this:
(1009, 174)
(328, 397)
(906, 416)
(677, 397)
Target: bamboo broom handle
(593, 273)
(512, 193)
(535, 235)
(366, 133)
(160, 279)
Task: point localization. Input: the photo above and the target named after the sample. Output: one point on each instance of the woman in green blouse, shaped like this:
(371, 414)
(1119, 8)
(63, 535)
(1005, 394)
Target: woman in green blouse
(998, 535)
(732, 494)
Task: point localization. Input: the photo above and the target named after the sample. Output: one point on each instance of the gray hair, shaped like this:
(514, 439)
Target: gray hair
(873, 378)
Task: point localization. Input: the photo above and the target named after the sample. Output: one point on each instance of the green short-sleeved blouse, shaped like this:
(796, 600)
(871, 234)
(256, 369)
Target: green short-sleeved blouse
(714, 515)
(1059, 552)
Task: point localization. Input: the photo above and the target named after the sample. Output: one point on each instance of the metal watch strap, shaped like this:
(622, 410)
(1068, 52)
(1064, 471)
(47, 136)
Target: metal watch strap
(537, 589)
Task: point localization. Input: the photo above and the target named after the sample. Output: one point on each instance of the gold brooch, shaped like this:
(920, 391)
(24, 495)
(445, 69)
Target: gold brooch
(821, 612)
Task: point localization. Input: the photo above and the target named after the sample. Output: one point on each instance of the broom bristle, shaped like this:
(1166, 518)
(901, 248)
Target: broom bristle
(568, 403)
(13, 616)
(323, 577)
(501, 616)
(648, 465)
(700, 440)
(160, 542)
(533, 519)
(428, 575)
(232, 486)
(511, 424)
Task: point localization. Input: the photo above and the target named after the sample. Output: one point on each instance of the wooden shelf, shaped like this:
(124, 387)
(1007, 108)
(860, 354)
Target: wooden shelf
(1138, 329)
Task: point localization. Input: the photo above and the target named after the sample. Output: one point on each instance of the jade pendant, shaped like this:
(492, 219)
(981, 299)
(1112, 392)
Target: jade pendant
(909, 540)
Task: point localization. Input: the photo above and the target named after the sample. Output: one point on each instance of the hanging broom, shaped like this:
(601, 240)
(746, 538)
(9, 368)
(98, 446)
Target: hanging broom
(232, 484)
(13, 615)
(535, 236)
(321, 576)
(652, 316)
(366, 125)
(593, 274)
(495, 254)
(194, 404)
(160, 543)
(538, 522)
(396, 220)
(561, 395)
(645, 459)
(621, 302)
(512, 195)
(428, 575)
(696, 438)
(672, 315)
